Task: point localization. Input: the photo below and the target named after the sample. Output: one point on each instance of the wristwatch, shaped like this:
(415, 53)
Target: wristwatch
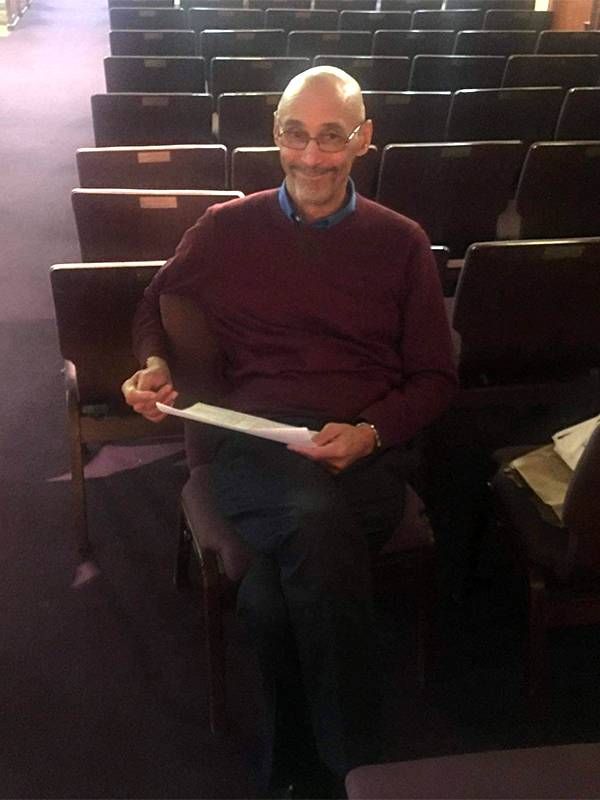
(365, 424)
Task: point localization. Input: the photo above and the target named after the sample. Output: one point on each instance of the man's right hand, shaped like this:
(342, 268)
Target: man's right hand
(148, 386)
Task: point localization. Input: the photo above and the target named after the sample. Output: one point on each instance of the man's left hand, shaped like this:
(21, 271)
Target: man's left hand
(339, 445)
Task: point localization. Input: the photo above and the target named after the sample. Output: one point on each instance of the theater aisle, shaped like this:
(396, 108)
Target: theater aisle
(102, 689)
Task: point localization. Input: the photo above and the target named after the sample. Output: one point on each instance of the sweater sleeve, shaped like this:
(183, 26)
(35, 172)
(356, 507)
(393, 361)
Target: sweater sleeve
(429, 379)
(182, 274)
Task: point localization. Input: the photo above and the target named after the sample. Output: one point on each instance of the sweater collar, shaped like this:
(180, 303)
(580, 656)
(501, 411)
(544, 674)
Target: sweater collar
(286, 205)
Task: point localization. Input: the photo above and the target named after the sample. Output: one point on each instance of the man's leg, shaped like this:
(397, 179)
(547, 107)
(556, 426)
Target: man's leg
(289, 753)
(297, 514)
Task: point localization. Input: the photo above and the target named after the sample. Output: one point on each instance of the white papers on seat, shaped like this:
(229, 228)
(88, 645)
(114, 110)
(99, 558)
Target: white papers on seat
(571, 442)
(244, 423)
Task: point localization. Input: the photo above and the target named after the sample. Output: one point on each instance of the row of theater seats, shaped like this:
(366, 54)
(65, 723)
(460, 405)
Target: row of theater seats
(425, 73)
(526, 315)
(337, 5)
(460, 192)
(386, 39)
(523, 310)
(201, 17)
(246, 119)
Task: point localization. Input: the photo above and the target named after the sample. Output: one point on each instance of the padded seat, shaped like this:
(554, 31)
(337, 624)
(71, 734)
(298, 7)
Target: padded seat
(258, 42)
(486, 5)
(342, 5)
(185, 166)
(527, 312)
(576, 42)
(409, 5)
(407, 116)
(456, 191)
(494, 43)
(373, 20)
(301, 20)
(553, 70)
(447, 20)
(201, 19)
(152, 43)
(560, 557)
(527, 114)
(545, 539)
(137, 224)
(141, 3)
(309, 44)
(266, 4)
(501, 19)
(373, 73)
(542, 772)
(246, 118)
(451, 73)
(154, 74)
(252, 74)
(151, 119)
(405, 564)
(147, 18)
(580, 114)
(412, 43)
(559, 190)
(94, 305)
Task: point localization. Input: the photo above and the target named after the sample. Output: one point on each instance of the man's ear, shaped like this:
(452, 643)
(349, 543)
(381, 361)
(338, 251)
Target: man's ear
(275, 127)
(365, 136)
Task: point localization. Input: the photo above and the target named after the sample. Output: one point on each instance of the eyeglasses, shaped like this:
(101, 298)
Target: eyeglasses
(328, 142)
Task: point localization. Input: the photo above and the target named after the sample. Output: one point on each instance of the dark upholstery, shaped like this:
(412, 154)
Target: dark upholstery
(202, 166)
(541, 772)
(561, 561)
(211, 531)
(406, 563)
(150, 119)
(543, 538)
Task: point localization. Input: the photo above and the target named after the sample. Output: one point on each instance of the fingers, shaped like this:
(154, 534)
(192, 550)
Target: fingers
(143, 400)
(329, 432)
(338, 445)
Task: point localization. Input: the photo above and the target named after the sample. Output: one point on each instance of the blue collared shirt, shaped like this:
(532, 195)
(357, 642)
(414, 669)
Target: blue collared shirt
(285, 202)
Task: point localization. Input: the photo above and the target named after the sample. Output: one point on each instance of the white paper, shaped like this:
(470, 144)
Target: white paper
(244, 423)
(571, 442)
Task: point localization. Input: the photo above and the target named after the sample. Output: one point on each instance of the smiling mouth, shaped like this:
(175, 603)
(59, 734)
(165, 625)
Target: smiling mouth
(311, 177)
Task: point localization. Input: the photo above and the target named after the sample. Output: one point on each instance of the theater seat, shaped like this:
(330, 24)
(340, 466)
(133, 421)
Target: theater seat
(405, 564)
(541, 772)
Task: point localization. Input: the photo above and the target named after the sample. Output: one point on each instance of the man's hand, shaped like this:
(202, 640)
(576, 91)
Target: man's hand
(148, 386)
(339, 445)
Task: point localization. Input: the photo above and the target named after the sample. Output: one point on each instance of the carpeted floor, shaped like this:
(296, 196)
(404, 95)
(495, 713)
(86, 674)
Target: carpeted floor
(102, 689)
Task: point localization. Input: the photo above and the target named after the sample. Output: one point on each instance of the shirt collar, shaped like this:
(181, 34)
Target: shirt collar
(285, 202)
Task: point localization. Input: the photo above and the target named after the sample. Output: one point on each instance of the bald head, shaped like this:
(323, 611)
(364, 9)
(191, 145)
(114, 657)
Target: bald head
(325, 85)
(320, 128)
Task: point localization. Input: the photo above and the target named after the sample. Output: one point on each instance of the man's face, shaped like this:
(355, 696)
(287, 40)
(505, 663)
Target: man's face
(317, 180)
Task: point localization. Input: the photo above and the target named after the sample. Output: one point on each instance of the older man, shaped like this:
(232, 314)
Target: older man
(328, 312)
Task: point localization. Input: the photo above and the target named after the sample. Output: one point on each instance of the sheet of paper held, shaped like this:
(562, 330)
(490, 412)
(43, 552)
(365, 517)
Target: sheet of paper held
(245, 423)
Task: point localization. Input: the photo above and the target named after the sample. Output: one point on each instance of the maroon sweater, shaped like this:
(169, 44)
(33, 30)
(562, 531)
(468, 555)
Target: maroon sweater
(341, 324)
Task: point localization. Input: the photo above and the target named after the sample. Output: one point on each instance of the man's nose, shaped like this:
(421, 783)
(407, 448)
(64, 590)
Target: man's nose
(311, 153)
